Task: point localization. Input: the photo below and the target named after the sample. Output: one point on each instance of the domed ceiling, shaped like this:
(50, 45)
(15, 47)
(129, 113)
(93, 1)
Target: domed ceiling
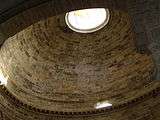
(49, 66)
(46, 65)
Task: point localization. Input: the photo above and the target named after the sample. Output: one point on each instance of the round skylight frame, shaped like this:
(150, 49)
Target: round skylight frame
(91, 30)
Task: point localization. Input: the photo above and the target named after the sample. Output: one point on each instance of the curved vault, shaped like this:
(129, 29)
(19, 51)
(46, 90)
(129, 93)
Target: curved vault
(51, 67)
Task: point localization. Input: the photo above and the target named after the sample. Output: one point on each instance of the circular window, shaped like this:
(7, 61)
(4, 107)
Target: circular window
(87, 20)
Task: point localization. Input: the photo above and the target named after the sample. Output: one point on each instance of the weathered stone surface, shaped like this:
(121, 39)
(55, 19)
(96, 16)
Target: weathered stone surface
(57, 6)
(50, 68)
(146, 19)
(145, 107)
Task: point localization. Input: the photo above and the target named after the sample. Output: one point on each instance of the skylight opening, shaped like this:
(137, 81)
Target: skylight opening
(103, 104)
(87, 20)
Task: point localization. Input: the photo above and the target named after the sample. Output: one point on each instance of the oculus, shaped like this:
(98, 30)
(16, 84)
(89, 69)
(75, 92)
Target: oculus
(87, 20)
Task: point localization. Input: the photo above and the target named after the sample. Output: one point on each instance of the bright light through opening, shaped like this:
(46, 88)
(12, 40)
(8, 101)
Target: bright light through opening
(3, 80)
(87, 20)
(103, 104)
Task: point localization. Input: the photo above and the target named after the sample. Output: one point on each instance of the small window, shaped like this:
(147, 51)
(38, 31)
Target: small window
(87, 20)
(103, 104)
(3, 80)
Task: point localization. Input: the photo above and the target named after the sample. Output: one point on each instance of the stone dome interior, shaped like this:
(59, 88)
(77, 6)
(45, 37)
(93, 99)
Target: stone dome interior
(49, 71)
(48, 66)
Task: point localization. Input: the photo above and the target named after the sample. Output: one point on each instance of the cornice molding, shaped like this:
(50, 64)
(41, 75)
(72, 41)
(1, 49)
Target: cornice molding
(13, 100)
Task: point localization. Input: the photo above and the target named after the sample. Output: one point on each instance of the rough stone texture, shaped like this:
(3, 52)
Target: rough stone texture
(51, 8)
(145, 14)
(146, 19)
(145, 107)
(47, 66)
(10, 8)
(126, 87)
